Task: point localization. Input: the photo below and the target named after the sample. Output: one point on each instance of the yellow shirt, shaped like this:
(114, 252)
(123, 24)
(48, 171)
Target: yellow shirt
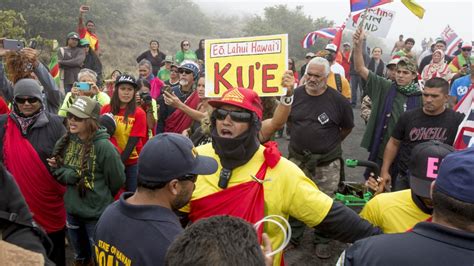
(393, 212)
(346, 88)
(287, 191)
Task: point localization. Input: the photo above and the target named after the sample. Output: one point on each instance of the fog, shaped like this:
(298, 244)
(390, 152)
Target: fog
(458, 14)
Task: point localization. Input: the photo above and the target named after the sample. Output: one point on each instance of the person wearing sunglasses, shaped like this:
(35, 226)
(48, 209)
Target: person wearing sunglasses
(172, 119)
(87, 163)
(27, 138)
(462, 63)
(174, 75)
(142, 224)
(131, 127)
(185, 53)
(254, 180)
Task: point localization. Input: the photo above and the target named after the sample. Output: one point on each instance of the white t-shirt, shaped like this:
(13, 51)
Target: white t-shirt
(338, 69)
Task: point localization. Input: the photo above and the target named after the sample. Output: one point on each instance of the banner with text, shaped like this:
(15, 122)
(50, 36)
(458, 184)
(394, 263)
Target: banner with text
(377, 21)
(256, 63)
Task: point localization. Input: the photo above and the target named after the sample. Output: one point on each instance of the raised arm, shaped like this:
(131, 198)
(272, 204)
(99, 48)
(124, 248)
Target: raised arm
(360, 68)
(174, 101)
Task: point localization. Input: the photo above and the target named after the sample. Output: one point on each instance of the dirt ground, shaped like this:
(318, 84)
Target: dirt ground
(304, 254)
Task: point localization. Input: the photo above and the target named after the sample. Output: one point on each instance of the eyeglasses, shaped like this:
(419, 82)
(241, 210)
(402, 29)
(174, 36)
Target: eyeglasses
(467, 49)
(30, 100)
(73, 117)
(174, 71)
(188, 177)
(237, 116)
(187, 71)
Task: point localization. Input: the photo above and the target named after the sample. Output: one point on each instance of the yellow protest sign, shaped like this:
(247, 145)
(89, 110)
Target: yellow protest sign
(256, 63)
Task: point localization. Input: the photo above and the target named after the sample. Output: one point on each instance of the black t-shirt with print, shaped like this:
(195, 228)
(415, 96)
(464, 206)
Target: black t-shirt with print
(316, 121)
(415, 127)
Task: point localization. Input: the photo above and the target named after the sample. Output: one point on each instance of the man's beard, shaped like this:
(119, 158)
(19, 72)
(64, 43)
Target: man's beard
(315, 85)
(183, 82)
(181, 199)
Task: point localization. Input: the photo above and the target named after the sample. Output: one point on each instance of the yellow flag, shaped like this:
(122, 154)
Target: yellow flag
(415, 8)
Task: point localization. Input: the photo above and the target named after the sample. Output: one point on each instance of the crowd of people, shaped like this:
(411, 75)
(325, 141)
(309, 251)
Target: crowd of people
(149, 171)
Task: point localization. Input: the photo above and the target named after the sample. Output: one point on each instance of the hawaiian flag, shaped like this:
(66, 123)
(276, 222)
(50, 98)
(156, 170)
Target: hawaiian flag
(358, 5)
(465, 135)
(310, 38)
(452, 40)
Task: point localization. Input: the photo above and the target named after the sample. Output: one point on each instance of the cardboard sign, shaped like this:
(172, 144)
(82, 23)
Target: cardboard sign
(256, 63)
(377, 22)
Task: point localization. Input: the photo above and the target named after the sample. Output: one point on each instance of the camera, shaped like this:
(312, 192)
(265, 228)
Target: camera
(146, 97)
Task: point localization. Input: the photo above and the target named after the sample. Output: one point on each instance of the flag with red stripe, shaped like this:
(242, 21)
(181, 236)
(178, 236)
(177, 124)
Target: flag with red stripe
(465, 135)
(310, 38)
(357, 5)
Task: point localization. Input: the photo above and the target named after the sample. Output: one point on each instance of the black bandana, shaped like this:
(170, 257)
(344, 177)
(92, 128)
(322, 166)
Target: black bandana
(237, 151)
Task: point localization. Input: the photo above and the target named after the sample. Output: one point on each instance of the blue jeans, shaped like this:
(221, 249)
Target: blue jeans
(131, 173)
(81, 234)
(355, 85)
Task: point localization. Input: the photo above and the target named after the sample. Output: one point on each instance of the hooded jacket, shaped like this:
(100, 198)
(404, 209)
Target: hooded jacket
(107, 176)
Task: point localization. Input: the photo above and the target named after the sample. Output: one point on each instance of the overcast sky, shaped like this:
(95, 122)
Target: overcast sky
(459, 14)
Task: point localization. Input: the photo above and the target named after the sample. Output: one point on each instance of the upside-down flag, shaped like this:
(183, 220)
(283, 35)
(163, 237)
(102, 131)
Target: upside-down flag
(310, 38)
(415, 8)
(357, 5)
(465, 135)
(54, 65)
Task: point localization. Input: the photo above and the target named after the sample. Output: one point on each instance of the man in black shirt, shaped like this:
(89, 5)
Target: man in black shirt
(431, 122)
(320, 120)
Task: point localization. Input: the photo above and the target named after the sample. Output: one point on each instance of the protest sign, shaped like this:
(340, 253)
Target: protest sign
(377, 21)
(256, 63)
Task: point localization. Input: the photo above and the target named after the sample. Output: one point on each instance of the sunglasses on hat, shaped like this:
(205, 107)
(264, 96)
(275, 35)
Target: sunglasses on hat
(237, 116)
(188, 177)
(73, 117)
(30, 100)
(187, 71)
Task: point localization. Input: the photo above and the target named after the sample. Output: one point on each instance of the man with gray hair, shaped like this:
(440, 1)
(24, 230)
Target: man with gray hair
(321, 118)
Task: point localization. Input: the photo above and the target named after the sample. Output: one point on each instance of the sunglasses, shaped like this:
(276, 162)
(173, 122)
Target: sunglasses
(467, 49)
(173, 71)
(185, 44)
(188, 177)
(237, 116)
(73, 117)
(187, 71)
(30, 100)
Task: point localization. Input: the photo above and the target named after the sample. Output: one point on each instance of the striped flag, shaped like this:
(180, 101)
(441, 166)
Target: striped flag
(326, 33)
(452, 40)
(54, 65)
(465, 135)
(357, 5)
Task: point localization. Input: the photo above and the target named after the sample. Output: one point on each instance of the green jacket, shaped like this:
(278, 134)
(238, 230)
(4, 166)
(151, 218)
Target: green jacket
(106, 178)
(187, 55)
(377, 89)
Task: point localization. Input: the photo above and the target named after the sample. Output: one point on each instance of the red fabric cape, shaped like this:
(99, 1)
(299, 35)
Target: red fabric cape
(42, 193)
(178, 120)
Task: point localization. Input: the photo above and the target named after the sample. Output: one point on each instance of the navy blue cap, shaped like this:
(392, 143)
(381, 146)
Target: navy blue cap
(424, 165)
(456, 176)
(168, 156)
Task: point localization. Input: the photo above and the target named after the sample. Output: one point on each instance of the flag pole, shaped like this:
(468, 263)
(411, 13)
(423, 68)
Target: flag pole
(361, 25)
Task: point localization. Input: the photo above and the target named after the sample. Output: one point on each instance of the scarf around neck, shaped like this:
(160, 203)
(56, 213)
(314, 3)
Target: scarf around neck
(409, 90)
(26, 122)
(236, 151)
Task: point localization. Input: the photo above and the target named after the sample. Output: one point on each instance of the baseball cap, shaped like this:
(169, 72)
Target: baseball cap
(169, 59)
(28, 87)
(73, 35)
(310, 54)
(407, 63)
(425, 161)
(455, 177)
(84, 42)
(190, 66)
(393, 61)
(85, 107)
(168, 156)
(331, 47)
(466, 45)
(240, 97)
(126, 78)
